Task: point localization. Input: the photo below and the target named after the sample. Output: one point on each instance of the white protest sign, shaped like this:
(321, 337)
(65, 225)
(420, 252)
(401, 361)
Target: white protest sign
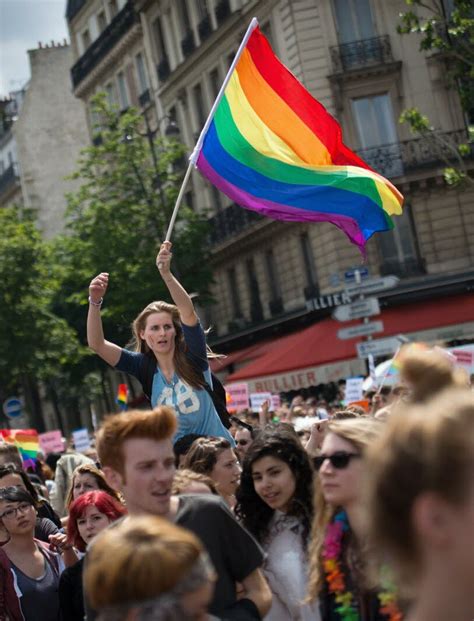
(81, 439)
(354, 390)
(257, 398)
(51, 442)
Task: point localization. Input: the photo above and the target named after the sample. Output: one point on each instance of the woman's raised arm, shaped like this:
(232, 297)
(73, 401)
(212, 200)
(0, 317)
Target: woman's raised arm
(95, 334)
(178, 293)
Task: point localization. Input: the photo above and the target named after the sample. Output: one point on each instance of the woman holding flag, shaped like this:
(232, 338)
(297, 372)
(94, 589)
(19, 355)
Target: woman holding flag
(170, 355)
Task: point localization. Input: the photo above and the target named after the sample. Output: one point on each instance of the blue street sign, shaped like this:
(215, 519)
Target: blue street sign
(350, 275)
(12, 407)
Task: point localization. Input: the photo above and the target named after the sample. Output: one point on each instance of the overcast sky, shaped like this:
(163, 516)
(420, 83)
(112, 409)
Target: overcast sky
(22, 24)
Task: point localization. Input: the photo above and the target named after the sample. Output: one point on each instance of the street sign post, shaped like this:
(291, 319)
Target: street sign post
(372, 285)
(355, 273)
(366, 307)
(378, 347)
(364, 329)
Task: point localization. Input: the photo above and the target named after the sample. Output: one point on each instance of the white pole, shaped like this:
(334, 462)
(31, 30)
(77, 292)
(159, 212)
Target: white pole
(178, 201)
(195, 154)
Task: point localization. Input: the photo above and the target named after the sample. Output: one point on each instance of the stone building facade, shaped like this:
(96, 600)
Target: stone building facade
(10, 187)
(348, 54)
(49, 133)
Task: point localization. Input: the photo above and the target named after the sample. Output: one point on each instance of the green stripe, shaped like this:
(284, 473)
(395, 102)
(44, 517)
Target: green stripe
(236, 145)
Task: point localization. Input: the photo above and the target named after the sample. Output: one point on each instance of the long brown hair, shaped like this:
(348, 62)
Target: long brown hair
(360, 432)
(98, 476)
(183, 367)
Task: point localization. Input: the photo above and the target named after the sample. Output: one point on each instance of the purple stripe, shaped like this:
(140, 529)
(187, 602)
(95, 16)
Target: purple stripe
(279, 211)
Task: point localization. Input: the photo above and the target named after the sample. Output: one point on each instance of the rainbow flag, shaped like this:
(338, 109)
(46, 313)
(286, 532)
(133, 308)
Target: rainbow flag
(273, 148)
(122, 396)
(26, 440)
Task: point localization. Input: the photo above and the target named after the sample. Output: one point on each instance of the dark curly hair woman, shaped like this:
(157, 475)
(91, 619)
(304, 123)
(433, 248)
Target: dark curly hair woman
(274, 502)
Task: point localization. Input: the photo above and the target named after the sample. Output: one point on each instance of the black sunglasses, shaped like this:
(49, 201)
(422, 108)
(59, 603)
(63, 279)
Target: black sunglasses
(339, 460)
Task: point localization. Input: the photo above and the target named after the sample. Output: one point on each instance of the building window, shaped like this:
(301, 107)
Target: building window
(354, 20)
(377, 134)
(201, 8)
(215, 82)
(216, 198)
(86, 39)
(141, 71)
(185, 23)
(113, 8)
(111, 94)
(234, 293)
(101, 21)
(122, 90)
(399, 247)
(256, 310)
(199, 105)
(159, 39)
(308, 263)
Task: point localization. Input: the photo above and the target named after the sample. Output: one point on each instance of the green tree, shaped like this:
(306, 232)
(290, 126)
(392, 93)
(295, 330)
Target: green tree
(451, 35)
(116, 220)
(36, 344)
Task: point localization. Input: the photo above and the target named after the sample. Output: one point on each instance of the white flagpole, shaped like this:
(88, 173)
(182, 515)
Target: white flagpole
(195, 154)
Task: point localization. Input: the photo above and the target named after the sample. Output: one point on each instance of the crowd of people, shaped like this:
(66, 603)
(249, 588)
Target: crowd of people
(367, 515)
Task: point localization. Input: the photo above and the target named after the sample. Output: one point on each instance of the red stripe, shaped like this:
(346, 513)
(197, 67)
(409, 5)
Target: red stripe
(310, 111)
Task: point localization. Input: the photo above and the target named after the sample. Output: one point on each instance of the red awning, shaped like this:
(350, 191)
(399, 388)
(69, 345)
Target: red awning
(319, 344)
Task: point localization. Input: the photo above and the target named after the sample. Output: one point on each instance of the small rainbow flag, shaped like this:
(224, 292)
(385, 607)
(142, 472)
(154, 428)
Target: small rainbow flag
(26, 440)
(122, 396)
(273, 148)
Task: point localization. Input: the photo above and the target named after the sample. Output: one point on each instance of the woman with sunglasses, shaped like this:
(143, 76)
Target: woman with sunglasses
(29, 570)
(274, 502)
(337, 557)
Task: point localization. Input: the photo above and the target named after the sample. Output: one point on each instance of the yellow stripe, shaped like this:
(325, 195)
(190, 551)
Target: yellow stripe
(253, 128)
(264, 140)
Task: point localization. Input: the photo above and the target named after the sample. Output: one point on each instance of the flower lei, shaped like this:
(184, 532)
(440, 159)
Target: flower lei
(335, 579)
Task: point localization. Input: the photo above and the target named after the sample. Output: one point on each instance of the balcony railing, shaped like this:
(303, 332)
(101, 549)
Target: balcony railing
(231, 221)
(400, 158)
(163, 69)
(8, 178)
(107, 40)
(360, 54)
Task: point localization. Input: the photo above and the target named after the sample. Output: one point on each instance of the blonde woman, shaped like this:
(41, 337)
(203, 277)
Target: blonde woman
(421, 492)
(338, 556)
(170, 342)
(148, 569)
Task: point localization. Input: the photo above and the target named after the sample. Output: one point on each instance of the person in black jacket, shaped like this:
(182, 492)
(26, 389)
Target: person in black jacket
(88, 515)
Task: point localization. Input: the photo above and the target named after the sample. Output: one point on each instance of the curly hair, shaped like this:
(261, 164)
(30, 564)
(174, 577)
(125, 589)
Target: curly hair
(251, 510)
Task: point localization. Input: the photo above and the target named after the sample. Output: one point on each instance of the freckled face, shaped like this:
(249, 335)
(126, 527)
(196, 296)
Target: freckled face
(159, 333)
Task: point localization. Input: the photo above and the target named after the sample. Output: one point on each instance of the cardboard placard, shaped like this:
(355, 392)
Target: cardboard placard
(51, 442)
(257, 398)
(354, 390)
(237, 397)
(81, 439)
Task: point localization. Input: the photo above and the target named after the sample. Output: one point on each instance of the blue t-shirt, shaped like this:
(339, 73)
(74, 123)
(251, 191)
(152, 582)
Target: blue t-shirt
(194, 407)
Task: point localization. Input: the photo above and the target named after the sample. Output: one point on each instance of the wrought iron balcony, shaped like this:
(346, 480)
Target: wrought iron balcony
(8, 178)
(360, 54)
(204, 28)
(231, 221)
(187, 44)
(163, 69)
(222, 11)
(400, 158)
(118, 27)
